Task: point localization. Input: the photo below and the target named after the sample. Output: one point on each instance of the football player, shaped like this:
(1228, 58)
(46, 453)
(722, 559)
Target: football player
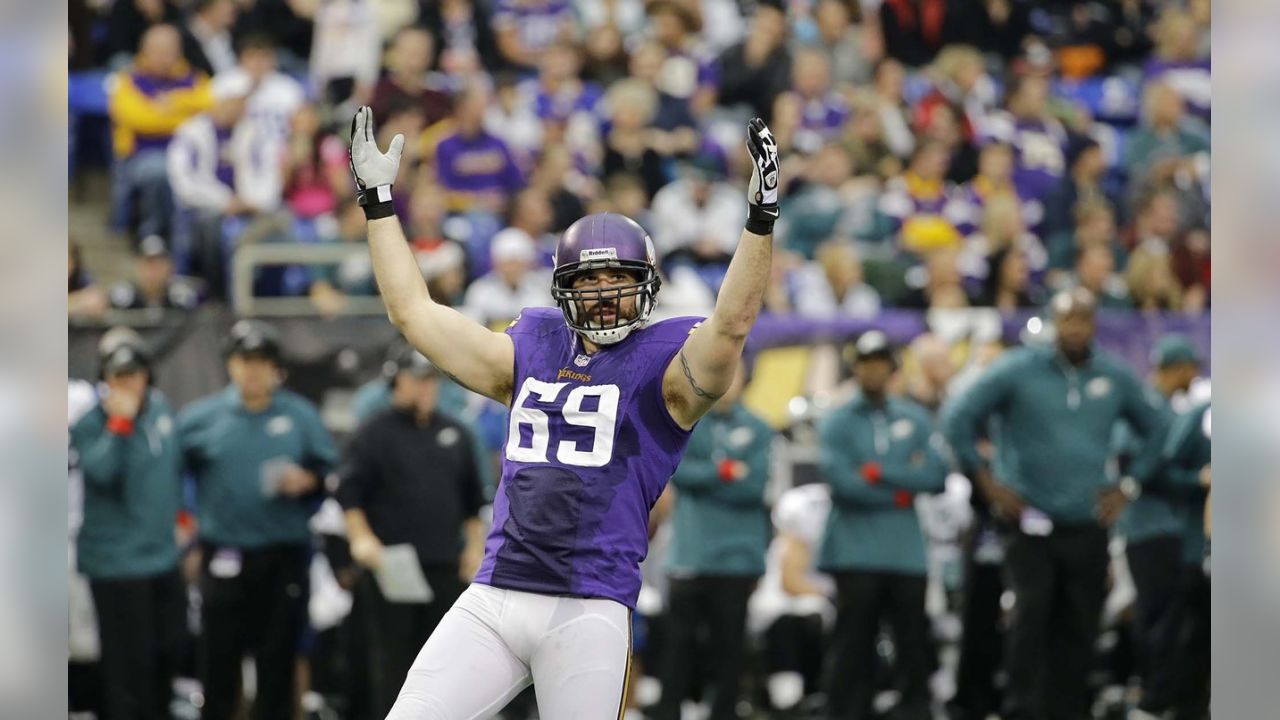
(601, 406)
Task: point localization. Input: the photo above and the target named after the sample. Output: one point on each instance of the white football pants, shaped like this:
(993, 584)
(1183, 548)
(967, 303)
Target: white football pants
(493, 643)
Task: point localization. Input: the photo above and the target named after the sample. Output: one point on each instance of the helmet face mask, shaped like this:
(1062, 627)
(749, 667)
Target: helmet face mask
(597, 242)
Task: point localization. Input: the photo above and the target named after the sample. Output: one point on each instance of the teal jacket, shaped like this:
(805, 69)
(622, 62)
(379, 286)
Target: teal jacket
(1187, 450)
(231, 452)
(870, 527)
(722, 528)
(1158, 511)
(1054, 426)
(375, 396)
(132, 491)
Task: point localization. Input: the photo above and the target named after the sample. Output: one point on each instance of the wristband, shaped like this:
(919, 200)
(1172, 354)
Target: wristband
(119, 425)
(871, 472)
(760, 219)
(727, 470)
(1130, 488)
(902, 499)
(376, 202)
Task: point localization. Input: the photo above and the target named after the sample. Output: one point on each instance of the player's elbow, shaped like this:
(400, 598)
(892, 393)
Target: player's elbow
(734, 325)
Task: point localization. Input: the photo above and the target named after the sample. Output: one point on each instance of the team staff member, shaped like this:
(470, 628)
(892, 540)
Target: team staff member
(1153, 528)
(1058, 406)
(258, 454)
(877, 452)
(409, 476)
(721, 530)
(129, 454)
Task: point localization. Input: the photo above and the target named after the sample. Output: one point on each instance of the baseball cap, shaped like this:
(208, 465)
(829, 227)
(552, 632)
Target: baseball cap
(125, 357)
(874, 343)
(1173, 349)
(253, 337)
(153, 246)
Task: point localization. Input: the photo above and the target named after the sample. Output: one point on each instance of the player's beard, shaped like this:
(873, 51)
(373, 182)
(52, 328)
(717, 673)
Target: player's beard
(607, 314)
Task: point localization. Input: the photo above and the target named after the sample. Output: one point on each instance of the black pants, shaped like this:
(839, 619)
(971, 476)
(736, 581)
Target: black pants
(718, 605)
(397, 631)
(1156, 567)
(863, 599)
(981, 645)
(1192, 665)
(260, 610)
(140, 626)
(794, 643)
(1059, 582)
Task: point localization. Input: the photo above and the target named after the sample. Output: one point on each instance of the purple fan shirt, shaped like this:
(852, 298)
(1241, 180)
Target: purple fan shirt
(590, 446)
(1039, 148)
(1191, 78)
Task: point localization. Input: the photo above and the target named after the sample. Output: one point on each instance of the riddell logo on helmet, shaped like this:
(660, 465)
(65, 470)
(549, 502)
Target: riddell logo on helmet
(598, 254)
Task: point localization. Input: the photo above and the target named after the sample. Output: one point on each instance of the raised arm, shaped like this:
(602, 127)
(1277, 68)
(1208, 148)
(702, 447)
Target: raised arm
(478, 358)
(703, 369)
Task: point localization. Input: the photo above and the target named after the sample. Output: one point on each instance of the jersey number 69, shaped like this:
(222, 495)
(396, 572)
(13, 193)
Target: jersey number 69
(602, 420)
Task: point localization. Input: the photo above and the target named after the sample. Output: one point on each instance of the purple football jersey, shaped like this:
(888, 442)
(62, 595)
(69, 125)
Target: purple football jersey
(590, 446)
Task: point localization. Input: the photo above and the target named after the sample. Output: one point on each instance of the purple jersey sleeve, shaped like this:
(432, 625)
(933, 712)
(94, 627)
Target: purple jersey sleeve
(590, 446)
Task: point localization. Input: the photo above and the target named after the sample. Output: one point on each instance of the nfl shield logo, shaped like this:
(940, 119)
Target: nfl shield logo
(582, 360)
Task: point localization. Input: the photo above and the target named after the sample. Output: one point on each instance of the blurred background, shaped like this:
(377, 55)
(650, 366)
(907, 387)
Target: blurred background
(948, 166)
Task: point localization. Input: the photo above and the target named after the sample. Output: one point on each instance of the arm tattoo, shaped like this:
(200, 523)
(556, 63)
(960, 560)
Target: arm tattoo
(694, 383)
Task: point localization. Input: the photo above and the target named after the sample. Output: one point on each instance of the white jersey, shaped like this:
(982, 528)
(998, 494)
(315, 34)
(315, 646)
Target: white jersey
(800, 513)
(273, 103)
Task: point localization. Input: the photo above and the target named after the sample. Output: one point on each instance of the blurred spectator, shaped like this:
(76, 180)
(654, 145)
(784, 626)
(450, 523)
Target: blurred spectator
(568, 185)
(1086, 168)
(526, 28)
(206, 36)
(1095, 272)
(1038, 139)
(276, 96)
(514, 283)
(345, 54)
(85, 299)
(720, 530)
(258, 453)
(129, 20)
(833, 285)
(131, 462)
(914, 30)
(1178, 60)
(407, 79)
(463, 36)
(1165, 153)
(994, 178)
(626, 194)
(445, 270)
(1130, 23)
(222, 168)
(1053, 489)
(1156, 223)
(793, 605)
(938, 284)
(696, 216)
(1008, 286)
(1093, 224)
(1002, 228)
(1152, 283)
(960, 81)
(811, 112)
(674, 127)
(755, 71)
(928, 370)
(687, 71)
(332, 284)
(864, 138)
(604, 51)
(840, 39)
(409, 477)
(829, 201)
(913, 203)
(560, 97)
(514, 120)
(1080, 37)
(888, 79)
(475, 167)
(1192, 266)
(877, 452)
(531, 215)
(147, 102)
(317, 167)
(944, 128)
(154, 286)
(627, 147)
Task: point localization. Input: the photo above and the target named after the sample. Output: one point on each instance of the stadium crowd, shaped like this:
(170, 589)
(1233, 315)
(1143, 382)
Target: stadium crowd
(910, 537)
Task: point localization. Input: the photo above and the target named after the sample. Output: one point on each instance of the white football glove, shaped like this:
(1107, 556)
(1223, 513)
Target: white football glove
(372, 168)
(762, 193)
